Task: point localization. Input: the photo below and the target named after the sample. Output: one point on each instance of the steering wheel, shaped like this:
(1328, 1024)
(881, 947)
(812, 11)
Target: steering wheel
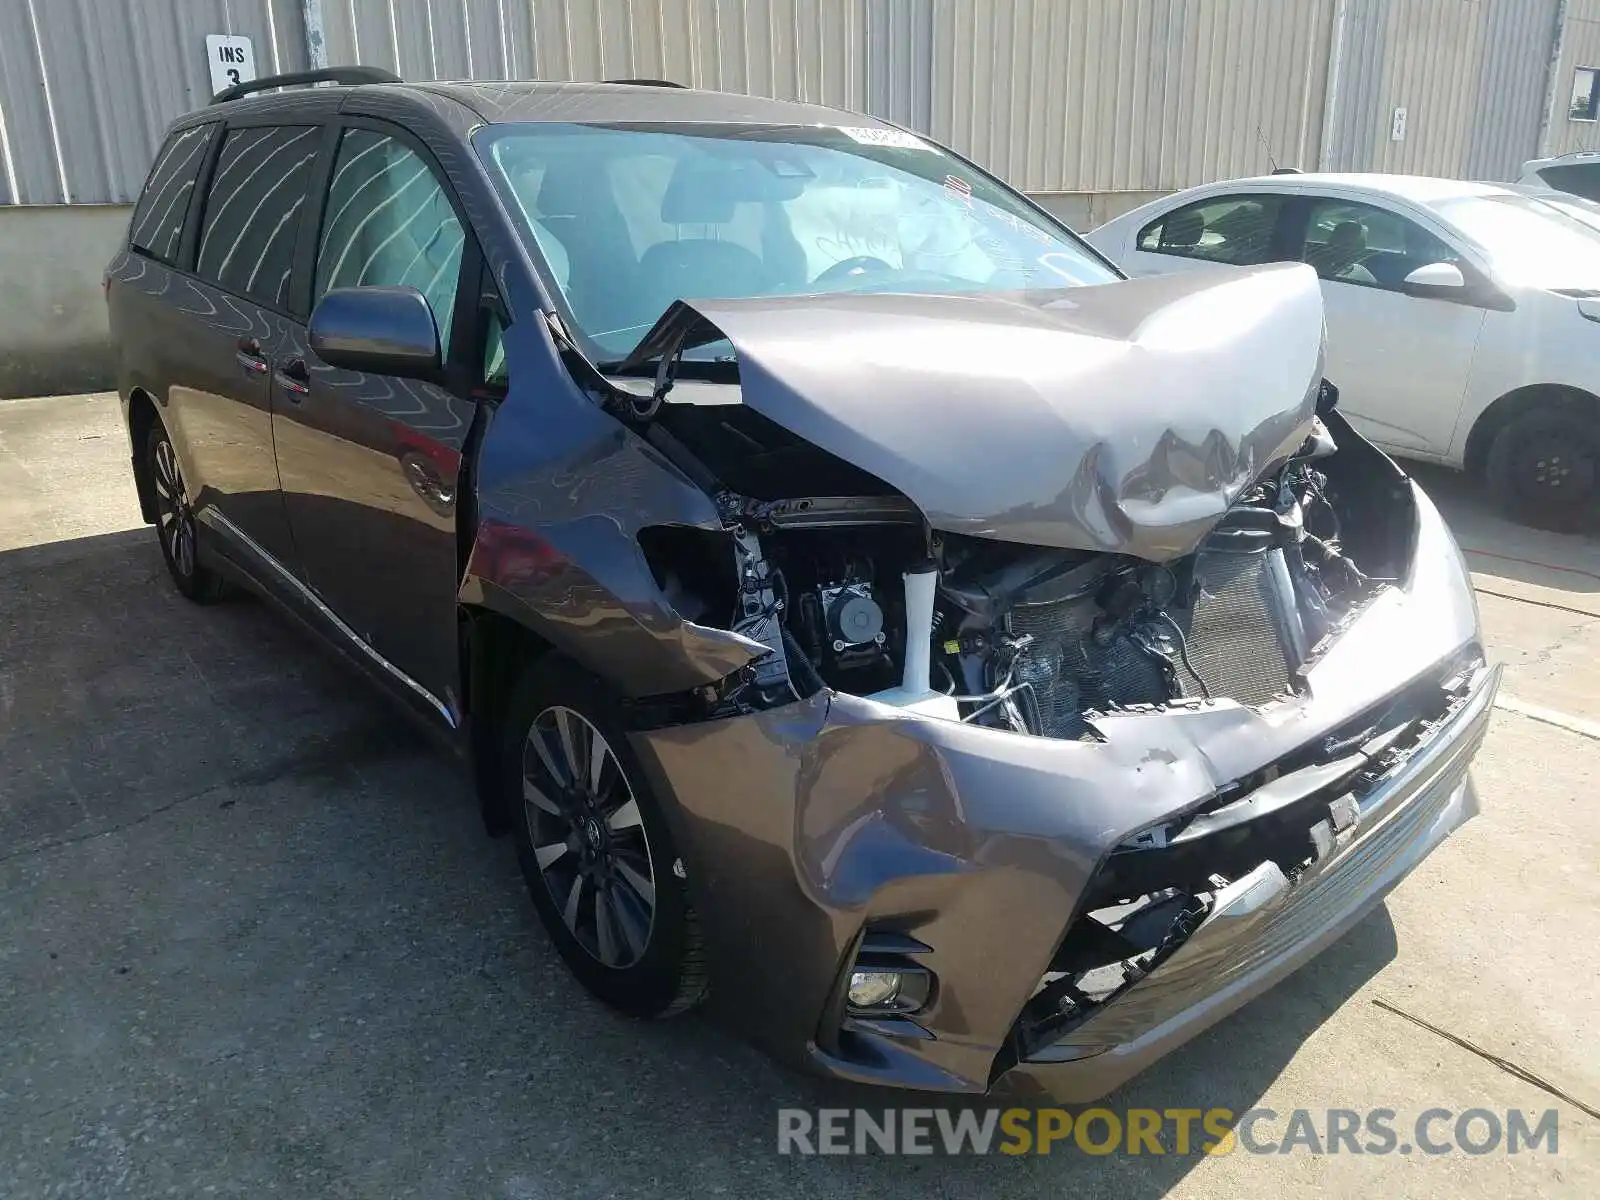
(852, 268)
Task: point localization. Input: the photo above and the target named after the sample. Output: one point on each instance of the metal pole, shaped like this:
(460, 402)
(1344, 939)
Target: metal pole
(1330, 100)
(1552, 86)
(316, 44)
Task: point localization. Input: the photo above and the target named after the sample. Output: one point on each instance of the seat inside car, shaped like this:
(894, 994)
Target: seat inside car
(575, 206)
(1182, 231)
(700, 193)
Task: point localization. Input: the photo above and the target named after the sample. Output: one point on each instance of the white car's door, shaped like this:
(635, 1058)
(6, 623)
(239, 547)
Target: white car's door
(1238, 229)
(1401, 362)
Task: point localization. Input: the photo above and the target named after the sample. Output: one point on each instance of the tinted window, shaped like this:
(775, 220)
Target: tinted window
(496, 372)
(253, 209)
(389, 222)
(1581, 179)
(1228, 229)
(1359, 243)
(157, 225)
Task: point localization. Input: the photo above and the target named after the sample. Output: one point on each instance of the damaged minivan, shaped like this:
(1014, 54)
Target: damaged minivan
(955, 665)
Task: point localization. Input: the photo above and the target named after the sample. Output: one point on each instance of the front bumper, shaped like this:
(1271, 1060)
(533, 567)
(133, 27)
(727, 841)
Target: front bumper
(1263, 927)
(805, 827)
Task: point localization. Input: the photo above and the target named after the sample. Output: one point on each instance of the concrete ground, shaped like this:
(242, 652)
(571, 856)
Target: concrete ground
(252, 937)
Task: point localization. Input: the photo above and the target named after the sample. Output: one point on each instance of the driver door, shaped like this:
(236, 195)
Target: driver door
(1401, 362)
(370, 464)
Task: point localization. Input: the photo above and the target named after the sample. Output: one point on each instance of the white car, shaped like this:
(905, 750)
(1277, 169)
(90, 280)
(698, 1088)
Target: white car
(1577, 173)
(1463, 318)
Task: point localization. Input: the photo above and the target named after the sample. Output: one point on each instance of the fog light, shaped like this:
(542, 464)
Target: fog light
(874, 989)
(877, 990)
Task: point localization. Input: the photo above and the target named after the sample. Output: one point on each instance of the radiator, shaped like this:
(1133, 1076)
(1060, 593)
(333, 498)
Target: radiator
(1237, 634)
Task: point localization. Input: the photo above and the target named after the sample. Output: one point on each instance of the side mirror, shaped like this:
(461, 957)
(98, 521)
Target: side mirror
(376, 330)
(1439, 281)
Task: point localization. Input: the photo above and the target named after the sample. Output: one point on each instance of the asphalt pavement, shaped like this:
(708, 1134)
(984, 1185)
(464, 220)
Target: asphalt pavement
(253, 938)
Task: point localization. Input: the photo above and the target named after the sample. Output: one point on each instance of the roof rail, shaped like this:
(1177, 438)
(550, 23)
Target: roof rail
(646, 82)
(351, 75)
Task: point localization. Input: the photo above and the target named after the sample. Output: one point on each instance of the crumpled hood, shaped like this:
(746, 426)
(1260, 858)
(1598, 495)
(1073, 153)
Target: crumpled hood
(1124, 417)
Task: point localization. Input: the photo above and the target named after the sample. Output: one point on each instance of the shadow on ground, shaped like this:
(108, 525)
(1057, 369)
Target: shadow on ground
(252, 936)
(1496, 545)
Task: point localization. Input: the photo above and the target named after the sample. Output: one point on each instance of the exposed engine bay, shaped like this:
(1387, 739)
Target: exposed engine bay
(856, 593)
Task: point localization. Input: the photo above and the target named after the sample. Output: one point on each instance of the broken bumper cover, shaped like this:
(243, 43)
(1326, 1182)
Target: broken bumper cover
(809, 829)
(1262, 927)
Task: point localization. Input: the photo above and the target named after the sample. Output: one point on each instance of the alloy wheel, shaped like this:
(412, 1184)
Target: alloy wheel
(174, 516)
(589, 841)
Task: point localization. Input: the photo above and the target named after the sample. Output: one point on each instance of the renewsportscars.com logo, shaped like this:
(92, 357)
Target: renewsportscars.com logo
(1179, 1131)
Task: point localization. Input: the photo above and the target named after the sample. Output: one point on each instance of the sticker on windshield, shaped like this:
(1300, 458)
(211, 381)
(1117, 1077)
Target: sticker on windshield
(897, 139)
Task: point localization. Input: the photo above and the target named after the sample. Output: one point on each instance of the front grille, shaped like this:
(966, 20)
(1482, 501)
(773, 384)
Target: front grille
(1234, 628)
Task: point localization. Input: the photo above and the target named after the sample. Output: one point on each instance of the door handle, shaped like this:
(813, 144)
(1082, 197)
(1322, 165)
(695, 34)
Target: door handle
(294, 379)
(249, 356)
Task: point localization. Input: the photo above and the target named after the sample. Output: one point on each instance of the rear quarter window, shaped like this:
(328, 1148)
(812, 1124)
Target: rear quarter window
(157, 224)
(1580, 179)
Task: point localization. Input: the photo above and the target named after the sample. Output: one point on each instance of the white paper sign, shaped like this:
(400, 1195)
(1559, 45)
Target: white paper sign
(1397, 129)
(899, 139)
(231, 60)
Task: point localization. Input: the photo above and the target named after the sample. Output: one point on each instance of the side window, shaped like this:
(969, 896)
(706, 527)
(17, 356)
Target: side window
(389, 222)
(253, 208)
(1236, 230)
(157, 224)
(1364, 244)
(496, 373)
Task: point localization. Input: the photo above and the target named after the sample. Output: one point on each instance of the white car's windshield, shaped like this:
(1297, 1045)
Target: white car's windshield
(1529, 241)
(629, 219)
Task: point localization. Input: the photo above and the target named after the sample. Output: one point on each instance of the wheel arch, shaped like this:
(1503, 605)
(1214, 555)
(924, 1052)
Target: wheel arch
(1498, 415)
(495, 651)
(142, 417)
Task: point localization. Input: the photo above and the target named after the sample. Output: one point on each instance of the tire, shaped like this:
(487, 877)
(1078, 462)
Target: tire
(1544, 468)
(600, 863)
(176, 529)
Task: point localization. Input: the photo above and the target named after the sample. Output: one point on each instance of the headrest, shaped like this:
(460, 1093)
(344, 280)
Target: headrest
(1183, 229)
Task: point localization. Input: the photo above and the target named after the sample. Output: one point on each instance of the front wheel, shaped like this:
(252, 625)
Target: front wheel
(1544, 468)
(175, 523)
(595, 848)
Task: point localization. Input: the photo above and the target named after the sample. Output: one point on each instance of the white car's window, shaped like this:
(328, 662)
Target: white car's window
(1361, 243)
(641, 216)
(1528, 241)
(1236, 230)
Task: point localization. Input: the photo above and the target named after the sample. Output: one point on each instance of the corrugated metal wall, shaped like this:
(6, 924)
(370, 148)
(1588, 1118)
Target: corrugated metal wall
(1129, 95)
(87, 86)
(1580, 48)
(795, 49)
(1078, 96)
(1471, 75)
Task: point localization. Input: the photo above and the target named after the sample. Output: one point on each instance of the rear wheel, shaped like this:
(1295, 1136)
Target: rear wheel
(595, 848)
(1544, 468)
(175, 524)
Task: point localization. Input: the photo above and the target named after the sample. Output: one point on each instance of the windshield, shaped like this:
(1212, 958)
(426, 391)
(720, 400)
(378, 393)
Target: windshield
(629, 219)
(1530, 241)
